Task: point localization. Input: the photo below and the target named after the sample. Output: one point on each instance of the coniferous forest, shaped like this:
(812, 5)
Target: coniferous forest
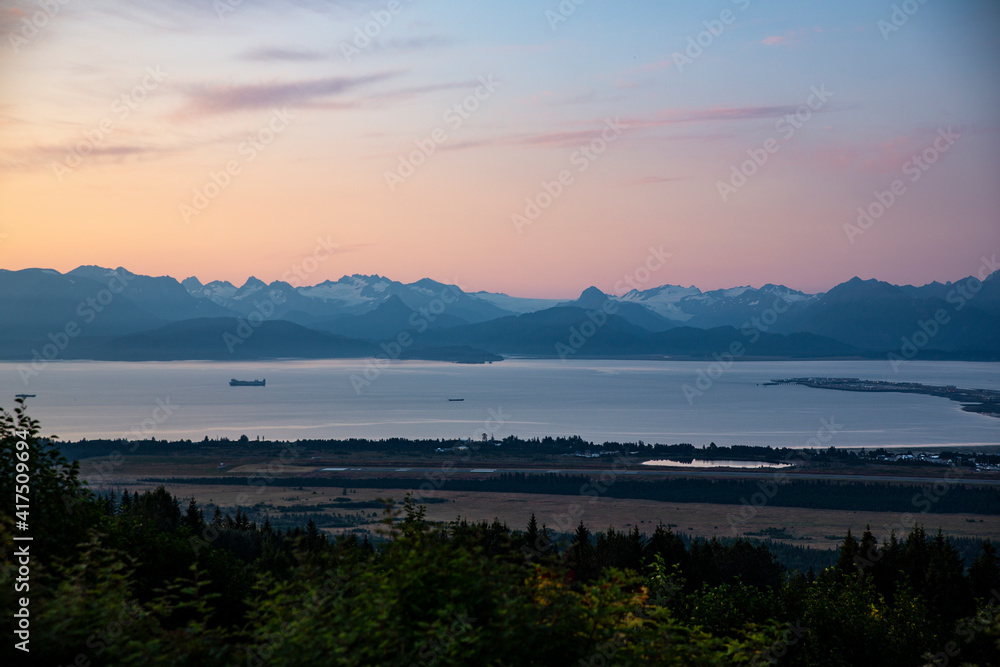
(149, 579)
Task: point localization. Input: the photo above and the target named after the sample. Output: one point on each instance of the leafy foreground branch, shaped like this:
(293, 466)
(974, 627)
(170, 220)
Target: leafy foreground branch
(136, 579)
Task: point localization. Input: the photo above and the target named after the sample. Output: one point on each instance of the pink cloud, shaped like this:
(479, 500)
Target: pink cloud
(787, 39)
(714, 115)
(880, 157)
(210, 100)
(587, 129)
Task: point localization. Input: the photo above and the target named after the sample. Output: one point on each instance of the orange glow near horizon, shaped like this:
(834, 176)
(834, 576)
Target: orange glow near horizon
(162, 115)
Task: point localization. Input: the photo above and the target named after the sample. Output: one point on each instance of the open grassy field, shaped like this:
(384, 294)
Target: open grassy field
(808, 527)
(818, 528)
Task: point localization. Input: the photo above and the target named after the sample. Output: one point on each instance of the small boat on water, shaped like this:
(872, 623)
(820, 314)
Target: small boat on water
(247, 383)
(455, 400)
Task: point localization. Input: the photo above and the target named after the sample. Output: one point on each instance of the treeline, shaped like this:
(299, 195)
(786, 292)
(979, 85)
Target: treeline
(980, 458)
(148, 579)
(509, 446)
(945, 497)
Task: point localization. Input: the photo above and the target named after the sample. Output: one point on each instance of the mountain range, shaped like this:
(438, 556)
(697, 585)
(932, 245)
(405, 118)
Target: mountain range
(112, 314)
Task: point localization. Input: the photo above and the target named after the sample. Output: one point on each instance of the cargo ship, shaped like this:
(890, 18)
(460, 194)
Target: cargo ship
(247, 383)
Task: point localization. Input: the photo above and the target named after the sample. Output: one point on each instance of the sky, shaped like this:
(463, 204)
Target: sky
(530, 147)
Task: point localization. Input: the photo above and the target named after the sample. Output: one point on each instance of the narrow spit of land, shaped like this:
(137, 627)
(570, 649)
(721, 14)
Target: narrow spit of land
(981, 401)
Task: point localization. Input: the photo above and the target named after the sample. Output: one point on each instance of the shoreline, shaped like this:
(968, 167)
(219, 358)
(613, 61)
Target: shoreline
(977, 401)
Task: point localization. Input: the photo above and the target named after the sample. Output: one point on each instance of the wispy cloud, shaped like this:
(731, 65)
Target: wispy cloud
(416, 43)
(45, 156)
(789, 38)
(204, 100)
(715, 115)
(287, 54)
(778, 40)
(188, 17)
(410, 92)
(876, 157)
(558, 139)
(282, 54)
(588, 128)
(183, 14)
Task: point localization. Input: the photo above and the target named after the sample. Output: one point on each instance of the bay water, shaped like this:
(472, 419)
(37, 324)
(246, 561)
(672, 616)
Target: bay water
(623, 401)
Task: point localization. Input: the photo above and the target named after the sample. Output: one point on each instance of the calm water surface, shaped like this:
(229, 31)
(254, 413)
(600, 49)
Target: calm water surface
(721, 463)
(598, 400)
